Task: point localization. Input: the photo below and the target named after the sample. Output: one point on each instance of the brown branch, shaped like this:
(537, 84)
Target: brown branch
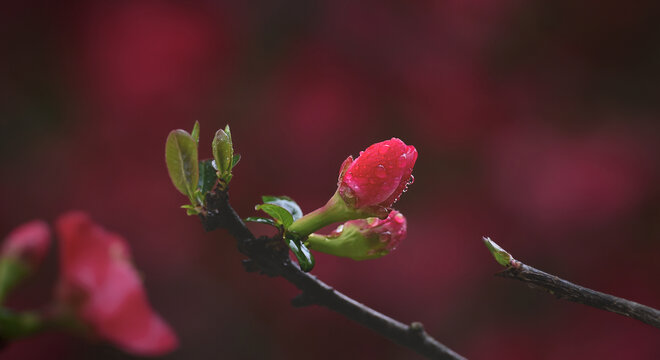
(566, 290)
(270, 257)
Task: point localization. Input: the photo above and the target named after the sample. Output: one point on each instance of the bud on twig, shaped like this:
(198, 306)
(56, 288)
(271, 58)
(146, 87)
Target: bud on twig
(362, 239)
(223, 154)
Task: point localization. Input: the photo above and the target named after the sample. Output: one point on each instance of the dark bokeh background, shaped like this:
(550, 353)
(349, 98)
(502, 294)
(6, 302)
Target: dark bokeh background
(536, 123)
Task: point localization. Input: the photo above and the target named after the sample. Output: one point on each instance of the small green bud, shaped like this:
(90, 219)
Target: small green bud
(223, 153)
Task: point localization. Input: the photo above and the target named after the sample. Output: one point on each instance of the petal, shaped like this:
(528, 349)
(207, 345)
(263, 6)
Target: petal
(29, 241)
(381, 172)
(114, 303)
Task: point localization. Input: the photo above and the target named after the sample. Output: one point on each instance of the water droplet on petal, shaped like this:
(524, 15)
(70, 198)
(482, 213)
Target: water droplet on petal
(402, 161)
(380, 171)
(399, 218)
(383, 149)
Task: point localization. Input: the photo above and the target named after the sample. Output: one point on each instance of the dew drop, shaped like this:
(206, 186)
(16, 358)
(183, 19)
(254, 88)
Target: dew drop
(411, 180)
(402, 161)
(380, 171)
(383, 149)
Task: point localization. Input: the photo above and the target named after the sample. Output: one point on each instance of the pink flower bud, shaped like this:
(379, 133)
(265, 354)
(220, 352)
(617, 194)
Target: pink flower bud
(98, 281)
(364, 238)
(28, 243)
(389, 231)
(379, 176)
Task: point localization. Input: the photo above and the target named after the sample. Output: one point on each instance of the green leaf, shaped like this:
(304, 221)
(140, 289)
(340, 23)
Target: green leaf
(302, 253)
(262, 220)
(500, 255)
(235, 160)
(190, 209)
(285, 202)
(181, 159)
(207, 176)
(195, 132)
(223, 152)
(228, 131)
(280, 214)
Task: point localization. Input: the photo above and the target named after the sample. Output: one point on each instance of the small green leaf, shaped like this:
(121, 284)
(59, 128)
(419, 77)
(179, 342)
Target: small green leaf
(223, 152)
(285, 202)
(228, 131)
(262, 220)
(280, 214)
(181, 159)
(195, 132)
(190, 209)
(302, 253)
(500, 255)
(207, 177)
(235, 160)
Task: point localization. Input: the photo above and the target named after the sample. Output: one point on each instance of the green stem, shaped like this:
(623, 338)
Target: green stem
(334, 211)
(321, 243)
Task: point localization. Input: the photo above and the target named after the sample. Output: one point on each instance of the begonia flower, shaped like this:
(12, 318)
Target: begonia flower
(379, 175)
(100, 285)
(362, 239)
(367, 186)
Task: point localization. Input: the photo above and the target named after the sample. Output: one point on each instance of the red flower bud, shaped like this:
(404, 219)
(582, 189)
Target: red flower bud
(378, 176)
(28, 243)
(99, 282)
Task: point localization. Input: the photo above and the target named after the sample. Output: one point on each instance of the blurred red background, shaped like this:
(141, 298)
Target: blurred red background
(536, 123)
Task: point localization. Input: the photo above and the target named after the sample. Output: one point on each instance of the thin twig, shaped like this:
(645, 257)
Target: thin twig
(270, 256)
(563, 289)
(566, 290)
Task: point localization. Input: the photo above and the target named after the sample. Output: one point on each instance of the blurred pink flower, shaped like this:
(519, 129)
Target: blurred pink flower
(105, 291)
(561, 181)
(28, 242)
(379, 175)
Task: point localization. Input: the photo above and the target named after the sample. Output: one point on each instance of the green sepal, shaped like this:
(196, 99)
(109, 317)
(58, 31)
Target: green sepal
(182, 162)
(501, 256)
(285, 202)
(263, 220)
(281, 215)
(302, 253)
(235, 160)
